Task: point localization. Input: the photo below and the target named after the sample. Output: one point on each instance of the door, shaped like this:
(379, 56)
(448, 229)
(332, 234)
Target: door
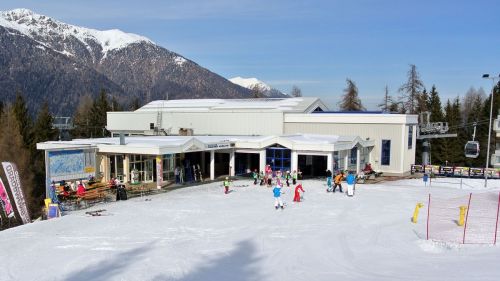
(149, 170)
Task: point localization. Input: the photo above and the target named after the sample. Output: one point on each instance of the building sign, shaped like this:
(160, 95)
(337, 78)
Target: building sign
(5, 201)
(218, 145)
(16, 190)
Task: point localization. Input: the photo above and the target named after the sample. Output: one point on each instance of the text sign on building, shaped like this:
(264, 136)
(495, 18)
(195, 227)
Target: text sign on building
(218, 145)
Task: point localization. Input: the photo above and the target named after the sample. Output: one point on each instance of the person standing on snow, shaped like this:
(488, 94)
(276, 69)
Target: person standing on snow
(226, 185)
(287, 178)
(329, 180)
(296, 198)
(277, 197)
(294, 177)
(262, 177)
(338, 181)
(351, 181)
(255, 176)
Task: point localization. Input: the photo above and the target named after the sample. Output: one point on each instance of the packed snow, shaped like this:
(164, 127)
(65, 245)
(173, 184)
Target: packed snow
(200, 233)
(33, 25)
(250, 83)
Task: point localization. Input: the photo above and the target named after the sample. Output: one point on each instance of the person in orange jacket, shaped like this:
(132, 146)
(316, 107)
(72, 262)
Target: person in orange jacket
(296, 198)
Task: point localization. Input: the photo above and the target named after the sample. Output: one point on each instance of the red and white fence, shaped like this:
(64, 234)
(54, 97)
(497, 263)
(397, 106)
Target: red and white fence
(481, 218)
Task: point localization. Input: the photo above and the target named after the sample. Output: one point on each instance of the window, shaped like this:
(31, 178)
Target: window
(410, 137)
(386, 152)
(151, 126)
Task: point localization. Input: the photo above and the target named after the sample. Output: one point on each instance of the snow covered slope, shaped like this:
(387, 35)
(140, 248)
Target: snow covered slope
(199, 233)
(46, 29)
(250, 83)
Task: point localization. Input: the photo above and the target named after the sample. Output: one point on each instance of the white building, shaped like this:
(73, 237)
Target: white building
(229, 137)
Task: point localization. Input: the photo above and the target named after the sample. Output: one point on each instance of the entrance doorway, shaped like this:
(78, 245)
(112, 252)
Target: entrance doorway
(279, 158)
(245, 163)
(312, 165)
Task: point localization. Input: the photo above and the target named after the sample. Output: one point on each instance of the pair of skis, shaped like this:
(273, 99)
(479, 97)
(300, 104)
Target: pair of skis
(97, 213)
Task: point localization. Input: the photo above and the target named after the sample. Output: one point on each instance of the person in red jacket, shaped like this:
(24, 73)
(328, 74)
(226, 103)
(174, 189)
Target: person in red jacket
(296, 198)
(80, 191)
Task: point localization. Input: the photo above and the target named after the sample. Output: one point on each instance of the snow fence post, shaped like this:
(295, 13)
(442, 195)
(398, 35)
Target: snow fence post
(428, 215)
(496, 226)
(466, 217)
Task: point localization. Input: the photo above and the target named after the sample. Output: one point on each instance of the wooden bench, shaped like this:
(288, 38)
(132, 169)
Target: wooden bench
(93, 195)
(141, 190)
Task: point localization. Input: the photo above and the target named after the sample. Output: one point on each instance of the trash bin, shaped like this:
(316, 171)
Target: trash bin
(121, 192)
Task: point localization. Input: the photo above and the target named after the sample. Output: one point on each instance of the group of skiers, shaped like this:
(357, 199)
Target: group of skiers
(278, 179)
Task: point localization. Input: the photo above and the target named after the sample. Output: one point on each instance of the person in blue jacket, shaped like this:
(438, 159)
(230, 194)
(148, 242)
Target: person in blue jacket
(351, 181)
(277, 197)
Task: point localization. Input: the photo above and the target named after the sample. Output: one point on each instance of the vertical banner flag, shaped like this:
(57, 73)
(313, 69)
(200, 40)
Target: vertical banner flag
(159, 171)
(5, 201)
(15, 188)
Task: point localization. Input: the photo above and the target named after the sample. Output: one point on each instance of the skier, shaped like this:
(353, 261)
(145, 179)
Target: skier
(255, 176)
(351, 181)
(262, 177)
(226, 185)
(296, 198)
(177, 174)
(329, 180)
(338, 181)
(294, 177)
(287, 177)
(277, 197)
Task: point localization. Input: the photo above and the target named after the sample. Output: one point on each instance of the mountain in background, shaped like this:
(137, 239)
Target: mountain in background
(254, 83)
(48, 60)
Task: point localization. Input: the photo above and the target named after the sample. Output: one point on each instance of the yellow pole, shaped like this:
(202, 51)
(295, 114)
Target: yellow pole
(415, 213)
(463, 210)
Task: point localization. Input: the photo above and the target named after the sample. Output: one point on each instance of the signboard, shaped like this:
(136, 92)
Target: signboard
(218, 145)
(16, 190)
(417, 169)
(71, 164)
(5, 201)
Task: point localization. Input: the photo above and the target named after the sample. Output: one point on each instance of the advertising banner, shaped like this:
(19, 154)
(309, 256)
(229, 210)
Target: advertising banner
(159, 171)
(5, 201)
(15, 188)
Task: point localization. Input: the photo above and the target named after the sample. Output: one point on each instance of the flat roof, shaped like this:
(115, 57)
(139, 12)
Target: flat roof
(159, 145)
(300, 104)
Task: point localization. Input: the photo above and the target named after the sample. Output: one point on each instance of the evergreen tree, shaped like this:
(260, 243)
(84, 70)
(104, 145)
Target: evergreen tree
(23, 118)
(434, 107)
(485, 115)
(100, 107)
(411, 90)
(12, 149)
(453, 148)
(82, 119)
(42, 131)
(296, 92)
(115, 105)
(257, 92)
(350, 100)
(135, 104)
(422, 102)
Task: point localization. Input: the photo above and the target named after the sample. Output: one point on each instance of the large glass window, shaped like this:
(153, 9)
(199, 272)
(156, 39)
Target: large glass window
(386, 152)
(279, 158)
(410, 137)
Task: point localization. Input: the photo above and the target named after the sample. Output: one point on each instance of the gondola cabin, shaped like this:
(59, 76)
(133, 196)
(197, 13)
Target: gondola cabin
(472, 149)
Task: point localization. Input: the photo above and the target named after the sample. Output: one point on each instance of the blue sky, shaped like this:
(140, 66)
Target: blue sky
(315, 45)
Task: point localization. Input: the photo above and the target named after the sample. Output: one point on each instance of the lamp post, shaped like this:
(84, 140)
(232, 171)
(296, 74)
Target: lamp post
(493, 78)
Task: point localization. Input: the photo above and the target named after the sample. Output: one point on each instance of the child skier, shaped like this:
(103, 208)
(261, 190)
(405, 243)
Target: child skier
(287, 177)
(294, 177)
(296, 198)
(351, 181)
(226, 185)
(329, 181)
(262, 178)
(255, 176)
(277, 197)
(338, 181)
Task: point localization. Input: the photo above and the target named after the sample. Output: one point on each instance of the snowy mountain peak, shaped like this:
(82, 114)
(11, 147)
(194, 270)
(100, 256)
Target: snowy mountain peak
(52, 32)
(250, 83)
